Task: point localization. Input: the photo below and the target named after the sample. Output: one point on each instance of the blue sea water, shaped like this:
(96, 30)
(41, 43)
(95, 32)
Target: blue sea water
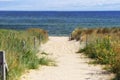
(58, 22)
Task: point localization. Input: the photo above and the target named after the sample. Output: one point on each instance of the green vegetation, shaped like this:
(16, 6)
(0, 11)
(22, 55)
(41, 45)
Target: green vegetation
(47, 61)
(78, 32)
(20, 50)
(103, 46)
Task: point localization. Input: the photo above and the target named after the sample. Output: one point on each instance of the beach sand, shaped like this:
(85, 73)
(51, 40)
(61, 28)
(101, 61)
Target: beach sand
(70, 65)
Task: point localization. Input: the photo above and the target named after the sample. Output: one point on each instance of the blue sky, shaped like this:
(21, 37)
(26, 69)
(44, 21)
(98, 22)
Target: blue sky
(60, 5)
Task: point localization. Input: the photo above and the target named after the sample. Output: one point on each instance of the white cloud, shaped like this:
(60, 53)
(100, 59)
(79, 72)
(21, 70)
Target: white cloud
(61, 4)
(76, 3)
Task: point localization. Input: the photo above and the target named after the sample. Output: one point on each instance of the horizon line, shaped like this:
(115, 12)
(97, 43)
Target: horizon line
(63, 10)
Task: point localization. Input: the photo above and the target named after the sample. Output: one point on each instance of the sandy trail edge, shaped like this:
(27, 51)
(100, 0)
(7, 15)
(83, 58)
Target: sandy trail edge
(71, 66)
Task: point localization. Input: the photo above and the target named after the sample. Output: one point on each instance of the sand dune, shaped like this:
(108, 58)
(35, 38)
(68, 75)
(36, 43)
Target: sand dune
(70, 66)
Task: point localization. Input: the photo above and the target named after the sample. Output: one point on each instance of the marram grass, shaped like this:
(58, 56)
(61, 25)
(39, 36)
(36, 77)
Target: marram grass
(20, 51)
(103, 45)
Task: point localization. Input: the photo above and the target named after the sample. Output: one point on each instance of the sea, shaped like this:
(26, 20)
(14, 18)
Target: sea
(58, 23)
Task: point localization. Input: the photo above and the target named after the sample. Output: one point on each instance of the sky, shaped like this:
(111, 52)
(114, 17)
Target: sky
(60, 5)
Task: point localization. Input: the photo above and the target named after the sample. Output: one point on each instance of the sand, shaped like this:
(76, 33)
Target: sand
(70, 66)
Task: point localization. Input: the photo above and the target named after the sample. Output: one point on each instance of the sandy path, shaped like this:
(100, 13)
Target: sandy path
(71, 66)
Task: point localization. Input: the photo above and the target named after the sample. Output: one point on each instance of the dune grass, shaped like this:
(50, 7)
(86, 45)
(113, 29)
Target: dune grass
(103, 46)
(78, 32)
(20, 50)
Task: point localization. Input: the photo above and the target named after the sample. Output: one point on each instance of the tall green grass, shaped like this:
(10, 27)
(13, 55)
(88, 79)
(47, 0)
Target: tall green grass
(105, 51)
(103, 46)
(20, 51)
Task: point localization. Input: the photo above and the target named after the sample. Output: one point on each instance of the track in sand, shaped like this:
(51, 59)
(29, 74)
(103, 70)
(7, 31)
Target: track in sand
(70, 66)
